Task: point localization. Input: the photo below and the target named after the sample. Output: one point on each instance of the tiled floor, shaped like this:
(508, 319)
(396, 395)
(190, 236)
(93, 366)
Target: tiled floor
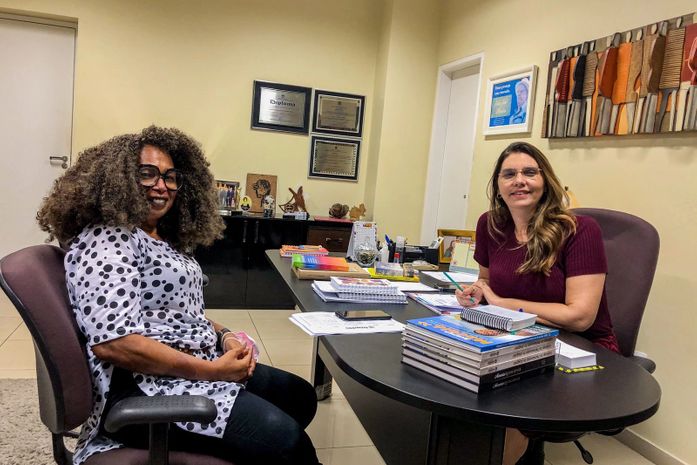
(336, 432)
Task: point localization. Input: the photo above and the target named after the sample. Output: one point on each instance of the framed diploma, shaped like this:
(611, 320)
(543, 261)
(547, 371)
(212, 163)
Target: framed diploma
(340, 114)
(509, 102)
(281, 107)
(334, 158)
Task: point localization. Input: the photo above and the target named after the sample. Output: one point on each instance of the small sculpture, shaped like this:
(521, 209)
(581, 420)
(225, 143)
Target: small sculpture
(268, 204)
(296, 203)
(357, 213)
(246, 203)
(338, 210)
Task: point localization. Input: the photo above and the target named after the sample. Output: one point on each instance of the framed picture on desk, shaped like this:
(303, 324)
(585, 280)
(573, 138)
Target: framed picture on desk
(450, 238)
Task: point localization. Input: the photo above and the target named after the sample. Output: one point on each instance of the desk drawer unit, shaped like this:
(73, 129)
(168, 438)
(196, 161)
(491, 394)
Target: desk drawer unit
(334, 239)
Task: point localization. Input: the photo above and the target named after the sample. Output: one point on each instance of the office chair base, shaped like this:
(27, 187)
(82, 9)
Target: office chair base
(587, 456)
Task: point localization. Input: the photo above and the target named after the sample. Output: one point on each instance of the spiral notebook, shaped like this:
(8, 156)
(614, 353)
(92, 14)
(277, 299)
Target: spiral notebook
(363, 286)
(498, 317)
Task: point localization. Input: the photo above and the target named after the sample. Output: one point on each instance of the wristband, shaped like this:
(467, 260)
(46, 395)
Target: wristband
(221, 334)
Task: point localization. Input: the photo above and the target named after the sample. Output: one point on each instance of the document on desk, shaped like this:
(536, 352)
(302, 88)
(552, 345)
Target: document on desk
(325, 323)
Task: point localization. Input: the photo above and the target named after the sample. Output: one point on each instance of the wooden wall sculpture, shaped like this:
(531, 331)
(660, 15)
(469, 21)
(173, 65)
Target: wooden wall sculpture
(642, 81)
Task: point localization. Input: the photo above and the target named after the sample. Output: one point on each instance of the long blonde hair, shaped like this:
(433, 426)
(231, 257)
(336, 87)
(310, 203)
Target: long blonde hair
(551, 223)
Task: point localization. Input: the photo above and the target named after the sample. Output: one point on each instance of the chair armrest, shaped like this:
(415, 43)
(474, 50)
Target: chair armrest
(644, 362)
(160, 409)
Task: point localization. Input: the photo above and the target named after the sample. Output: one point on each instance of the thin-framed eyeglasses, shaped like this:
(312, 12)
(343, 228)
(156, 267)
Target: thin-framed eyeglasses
(149, 176)
(510, 174)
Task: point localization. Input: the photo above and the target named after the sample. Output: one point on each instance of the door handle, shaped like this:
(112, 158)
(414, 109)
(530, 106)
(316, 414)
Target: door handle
(256, 232)
(244, 232)
(64, 159)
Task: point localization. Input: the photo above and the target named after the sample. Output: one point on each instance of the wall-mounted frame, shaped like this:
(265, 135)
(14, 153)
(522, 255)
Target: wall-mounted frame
(281, 107)
(258, 187)
(510, 99)
(450, 238)
(228, 194)
(334, 158)
(337, 113)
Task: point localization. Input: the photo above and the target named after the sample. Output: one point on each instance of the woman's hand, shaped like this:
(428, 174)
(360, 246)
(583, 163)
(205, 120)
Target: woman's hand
(470, 296)
(235, 365)
(488, 294)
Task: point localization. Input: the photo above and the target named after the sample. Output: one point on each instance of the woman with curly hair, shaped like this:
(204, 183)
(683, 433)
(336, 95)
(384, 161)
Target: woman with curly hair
(132, 210)
(535, 254)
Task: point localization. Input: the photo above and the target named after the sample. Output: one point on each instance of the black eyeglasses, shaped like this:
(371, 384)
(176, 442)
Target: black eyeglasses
(510, 174)
(149, 176)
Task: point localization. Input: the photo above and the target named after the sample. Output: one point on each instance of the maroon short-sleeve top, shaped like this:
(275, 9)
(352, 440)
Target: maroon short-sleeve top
(583, 253)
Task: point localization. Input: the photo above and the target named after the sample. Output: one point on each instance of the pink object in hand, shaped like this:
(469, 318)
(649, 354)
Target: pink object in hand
(244, 338)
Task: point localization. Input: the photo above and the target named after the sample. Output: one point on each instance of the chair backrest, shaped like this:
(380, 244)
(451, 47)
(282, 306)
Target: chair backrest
(631, 246)
(34, 280)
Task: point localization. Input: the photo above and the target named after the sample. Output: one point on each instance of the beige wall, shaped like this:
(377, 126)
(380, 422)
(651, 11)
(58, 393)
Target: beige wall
(191, 65)
(652, 177)
(410, 67)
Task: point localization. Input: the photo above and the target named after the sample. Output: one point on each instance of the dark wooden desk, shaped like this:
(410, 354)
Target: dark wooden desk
(415, 418)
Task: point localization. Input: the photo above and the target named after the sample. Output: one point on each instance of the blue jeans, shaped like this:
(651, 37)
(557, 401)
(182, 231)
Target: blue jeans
(266, 426)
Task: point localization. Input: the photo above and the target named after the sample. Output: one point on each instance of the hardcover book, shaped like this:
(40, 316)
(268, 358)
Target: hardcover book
(482, 358)
(473, 366)
(455, 369)
(469, 385)
(477, 337)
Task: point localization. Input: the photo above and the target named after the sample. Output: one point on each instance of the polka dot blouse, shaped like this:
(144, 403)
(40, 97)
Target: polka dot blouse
(123, 282)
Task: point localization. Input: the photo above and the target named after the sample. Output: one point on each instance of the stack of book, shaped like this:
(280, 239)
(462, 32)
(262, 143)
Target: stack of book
(476, 357)
(359, 290)
(320, 262)
(289, 250)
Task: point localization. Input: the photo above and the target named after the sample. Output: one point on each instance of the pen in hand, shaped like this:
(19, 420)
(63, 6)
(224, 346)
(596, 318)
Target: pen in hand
(457, 284)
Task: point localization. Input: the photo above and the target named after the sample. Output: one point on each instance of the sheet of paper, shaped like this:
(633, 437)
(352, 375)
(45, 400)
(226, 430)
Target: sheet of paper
(323, 323)
(413, 287)
(460, 277)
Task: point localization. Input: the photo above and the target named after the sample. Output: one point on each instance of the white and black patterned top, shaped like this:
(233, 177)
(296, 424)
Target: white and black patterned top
(124, 282)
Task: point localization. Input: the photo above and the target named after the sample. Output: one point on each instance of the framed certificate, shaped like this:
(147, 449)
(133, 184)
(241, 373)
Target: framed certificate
(340, 114)
(281, 107)
(510, 101)
(334, 158)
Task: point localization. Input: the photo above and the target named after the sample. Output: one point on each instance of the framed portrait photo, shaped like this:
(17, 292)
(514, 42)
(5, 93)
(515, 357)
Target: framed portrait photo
(228, 195)
(510, 99)
(334, 158)
(450, 238)
(281, 107)
(337, 113)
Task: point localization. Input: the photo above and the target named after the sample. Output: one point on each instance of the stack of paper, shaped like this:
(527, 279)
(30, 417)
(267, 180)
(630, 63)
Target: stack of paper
(324, 323)
(572, 357)
(328, 292)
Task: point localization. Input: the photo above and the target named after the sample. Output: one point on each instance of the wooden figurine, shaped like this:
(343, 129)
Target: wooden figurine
(296, 203)
(338, 210)
(357, 213)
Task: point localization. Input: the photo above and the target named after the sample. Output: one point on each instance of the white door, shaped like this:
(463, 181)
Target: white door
(36, 108)
(452, 143)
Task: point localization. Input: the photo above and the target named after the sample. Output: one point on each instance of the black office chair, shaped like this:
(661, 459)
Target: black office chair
(631, 247)
(34, 280)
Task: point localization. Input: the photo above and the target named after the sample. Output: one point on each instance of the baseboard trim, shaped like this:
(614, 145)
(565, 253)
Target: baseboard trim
(647, 448)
